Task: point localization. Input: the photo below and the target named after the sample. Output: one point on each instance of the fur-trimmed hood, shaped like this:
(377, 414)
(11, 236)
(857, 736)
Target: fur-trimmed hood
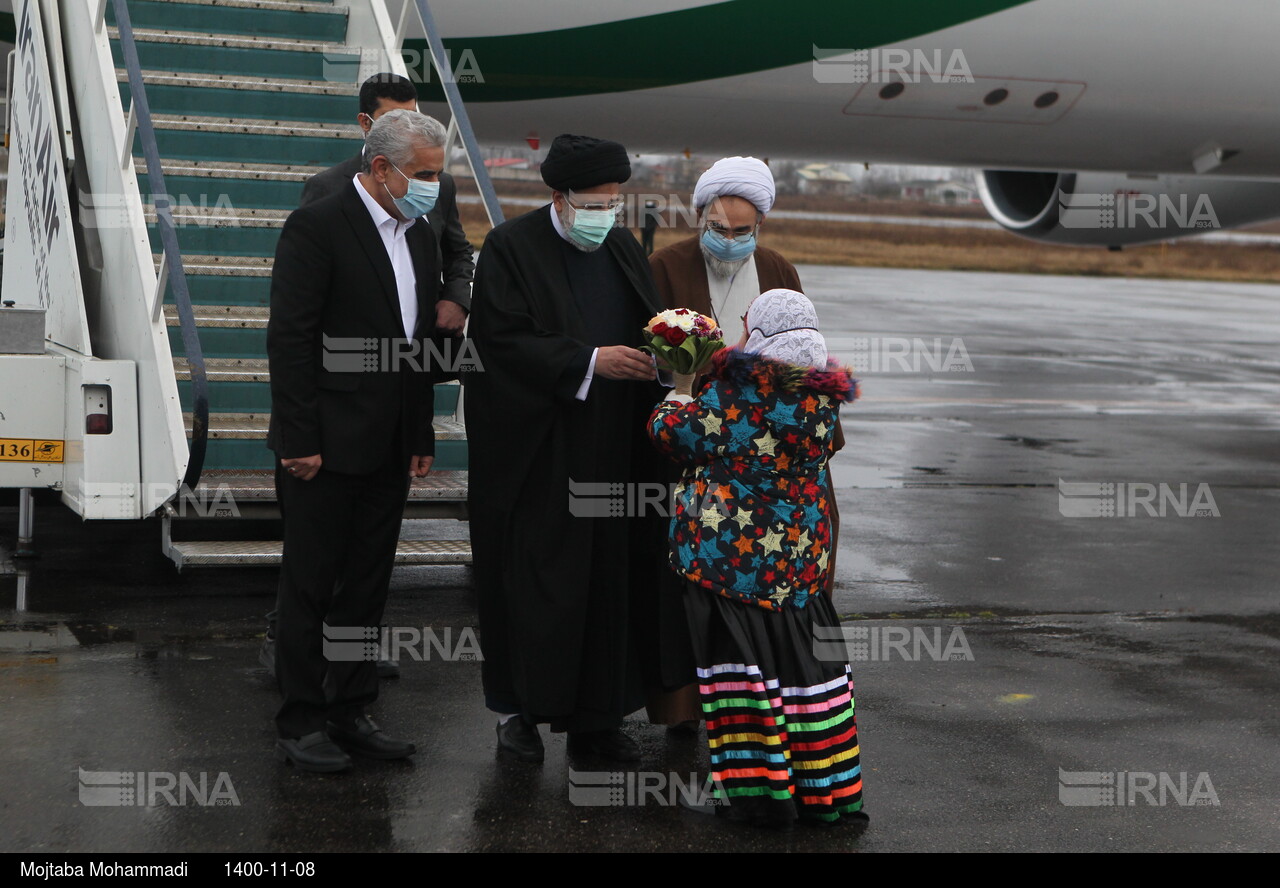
(737, 366)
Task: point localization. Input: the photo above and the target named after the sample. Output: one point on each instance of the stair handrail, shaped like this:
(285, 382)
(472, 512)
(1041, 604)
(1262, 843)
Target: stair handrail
(171, 268)
(461, 121)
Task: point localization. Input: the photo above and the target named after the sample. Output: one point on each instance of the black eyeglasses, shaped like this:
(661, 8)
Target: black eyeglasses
(732, 233)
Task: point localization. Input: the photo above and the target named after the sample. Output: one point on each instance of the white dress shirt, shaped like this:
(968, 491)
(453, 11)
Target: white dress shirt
(591, 368)
(392, 231)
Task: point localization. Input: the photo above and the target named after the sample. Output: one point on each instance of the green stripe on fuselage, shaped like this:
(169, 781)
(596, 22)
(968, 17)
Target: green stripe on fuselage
(704, 43)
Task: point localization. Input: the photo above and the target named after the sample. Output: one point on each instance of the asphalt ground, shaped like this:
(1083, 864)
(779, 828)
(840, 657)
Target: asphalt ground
(1027, 680)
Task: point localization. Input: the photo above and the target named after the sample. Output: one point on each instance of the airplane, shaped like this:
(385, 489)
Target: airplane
(1056, 101)
(1067, 106)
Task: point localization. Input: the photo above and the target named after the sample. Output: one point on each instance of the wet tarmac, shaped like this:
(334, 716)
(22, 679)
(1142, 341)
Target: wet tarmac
(1002, 642)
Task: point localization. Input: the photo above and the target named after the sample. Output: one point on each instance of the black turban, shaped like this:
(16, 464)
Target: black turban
(577, 162)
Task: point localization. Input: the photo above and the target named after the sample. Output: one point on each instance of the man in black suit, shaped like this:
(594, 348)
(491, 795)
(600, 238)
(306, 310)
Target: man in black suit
(357, 265)
(378, 95)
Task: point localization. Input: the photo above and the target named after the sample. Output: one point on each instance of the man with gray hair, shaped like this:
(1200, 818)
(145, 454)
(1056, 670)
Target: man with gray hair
(357, 265)
(379, 95)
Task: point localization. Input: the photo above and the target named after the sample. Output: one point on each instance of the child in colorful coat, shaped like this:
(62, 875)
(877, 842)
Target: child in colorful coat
(751, 536)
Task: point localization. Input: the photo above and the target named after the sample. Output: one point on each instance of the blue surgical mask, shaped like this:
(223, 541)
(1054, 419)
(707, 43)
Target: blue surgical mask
(726, 249)
(419, 200)
(591, 227)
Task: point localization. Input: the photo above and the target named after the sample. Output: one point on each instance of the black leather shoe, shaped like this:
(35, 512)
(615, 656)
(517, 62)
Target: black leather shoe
(364, 737)
(520, 739)
(613, 745)
(267, 655)
(388, 669)
(314, 752)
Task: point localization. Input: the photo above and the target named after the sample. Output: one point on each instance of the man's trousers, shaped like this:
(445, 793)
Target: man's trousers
(340, 534)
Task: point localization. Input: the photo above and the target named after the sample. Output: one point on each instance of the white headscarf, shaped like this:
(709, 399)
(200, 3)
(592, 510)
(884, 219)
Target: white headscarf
(783, 325)
(745, 177)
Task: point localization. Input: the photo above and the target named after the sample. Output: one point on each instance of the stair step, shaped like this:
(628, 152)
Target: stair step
(227, 369)
(253, 426)
(223, 266)
(252, 140)
(235, 385)
(261, 485)
(312, 21)
(238, 316)
(229, 230)
(291, 58)
(225, 280)
(229, 169)
(209, 553)
(225, 95)
(194, 183)
(238, 441)
(241, 385)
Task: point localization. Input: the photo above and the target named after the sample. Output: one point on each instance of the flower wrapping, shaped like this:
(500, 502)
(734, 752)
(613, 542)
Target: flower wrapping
(683, 340)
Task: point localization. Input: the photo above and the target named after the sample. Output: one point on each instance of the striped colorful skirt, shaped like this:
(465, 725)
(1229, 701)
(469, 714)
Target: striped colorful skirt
(780, 722)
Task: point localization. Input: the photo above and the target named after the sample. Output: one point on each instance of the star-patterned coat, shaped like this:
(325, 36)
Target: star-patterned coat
(752, 521)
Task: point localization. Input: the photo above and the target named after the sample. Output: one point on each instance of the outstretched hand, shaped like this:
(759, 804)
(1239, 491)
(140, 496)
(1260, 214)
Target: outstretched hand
(623, 362)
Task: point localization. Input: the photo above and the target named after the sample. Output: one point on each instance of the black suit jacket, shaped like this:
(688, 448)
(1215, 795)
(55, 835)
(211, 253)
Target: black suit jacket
(333, 280)
(453, 250)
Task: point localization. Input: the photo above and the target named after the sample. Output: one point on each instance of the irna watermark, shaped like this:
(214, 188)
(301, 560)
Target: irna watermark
(890, 65)
(1137, 209)
(368, 644)
(902, 354)
(1125, 499)
(875, 644)
(116, 789)
(345, 354)
(1096, 789)
(637, 789)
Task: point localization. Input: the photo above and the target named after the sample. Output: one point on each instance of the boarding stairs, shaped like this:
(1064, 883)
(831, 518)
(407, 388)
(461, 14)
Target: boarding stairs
(248, 98)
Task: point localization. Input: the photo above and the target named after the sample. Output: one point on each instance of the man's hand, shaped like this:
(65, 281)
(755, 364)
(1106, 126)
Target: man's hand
(304, 468)
(450, 318)
(420, 466)
(623, 362)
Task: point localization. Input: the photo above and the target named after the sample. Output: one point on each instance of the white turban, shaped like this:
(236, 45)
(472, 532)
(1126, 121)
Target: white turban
(783, 326)
(745, 177)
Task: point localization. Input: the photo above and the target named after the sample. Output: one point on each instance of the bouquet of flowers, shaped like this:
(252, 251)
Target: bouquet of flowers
(683, 342)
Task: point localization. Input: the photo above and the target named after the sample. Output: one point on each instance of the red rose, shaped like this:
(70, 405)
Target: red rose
(659, 328)
(675, 335)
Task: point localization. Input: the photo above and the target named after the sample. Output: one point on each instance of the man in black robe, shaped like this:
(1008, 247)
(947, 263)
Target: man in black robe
(561, 396)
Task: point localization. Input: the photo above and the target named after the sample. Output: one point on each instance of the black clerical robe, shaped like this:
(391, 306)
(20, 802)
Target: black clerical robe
(555, 587)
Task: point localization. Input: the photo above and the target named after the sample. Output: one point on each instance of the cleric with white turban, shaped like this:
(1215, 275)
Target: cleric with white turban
(745, 177)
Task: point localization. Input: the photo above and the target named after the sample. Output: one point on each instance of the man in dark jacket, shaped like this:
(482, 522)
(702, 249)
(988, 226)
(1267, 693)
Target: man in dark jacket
(378, 95)
(453, 256)
(358, 265)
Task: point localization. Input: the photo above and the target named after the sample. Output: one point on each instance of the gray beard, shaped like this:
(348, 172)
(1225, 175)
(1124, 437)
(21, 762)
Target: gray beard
(718, 266)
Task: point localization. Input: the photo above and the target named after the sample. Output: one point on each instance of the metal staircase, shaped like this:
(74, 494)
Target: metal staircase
(248, 99)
